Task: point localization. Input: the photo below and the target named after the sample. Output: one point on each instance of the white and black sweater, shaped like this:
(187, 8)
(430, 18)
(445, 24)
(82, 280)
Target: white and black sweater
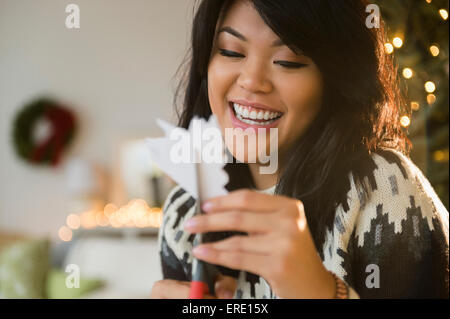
(402, 229)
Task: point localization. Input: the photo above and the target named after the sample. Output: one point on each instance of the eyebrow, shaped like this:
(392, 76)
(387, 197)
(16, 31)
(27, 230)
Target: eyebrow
(238, 35)
(276, 43)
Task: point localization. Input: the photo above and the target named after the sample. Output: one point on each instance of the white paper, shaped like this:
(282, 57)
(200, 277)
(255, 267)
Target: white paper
(211, 178)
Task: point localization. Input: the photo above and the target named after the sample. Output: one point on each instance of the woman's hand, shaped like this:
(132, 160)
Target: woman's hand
(224, 287)
(279, 246)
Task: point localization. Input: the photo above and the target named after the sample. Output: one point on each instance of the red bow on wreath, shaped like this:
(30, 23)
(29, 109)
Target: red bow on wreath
(63, 123)
(63, 127)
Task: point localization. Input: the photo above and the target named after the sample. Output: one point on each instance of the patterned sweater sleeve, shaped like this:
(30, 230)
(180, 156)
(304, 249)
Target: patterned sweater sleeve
(172, 241)
(394, 244)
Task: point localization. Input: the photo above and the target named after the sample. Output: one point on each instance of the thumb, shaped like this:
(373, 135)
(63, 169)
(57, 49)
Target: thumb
(225, 287)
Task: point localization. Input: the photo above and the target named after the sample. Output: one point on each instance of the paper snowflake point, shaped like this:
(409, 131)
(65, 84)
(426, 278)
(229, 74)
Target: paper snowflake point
(193, 158)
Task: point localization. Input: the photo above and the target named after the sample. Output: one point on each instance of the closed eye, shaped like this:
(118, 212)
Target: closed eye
(285, 64)
(231, 54)
(290, 65)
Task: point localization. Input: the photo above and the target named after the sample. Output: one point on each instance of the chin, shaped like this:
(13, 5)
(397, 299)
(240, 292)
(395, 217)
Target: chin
(247, 150)
(250, 153)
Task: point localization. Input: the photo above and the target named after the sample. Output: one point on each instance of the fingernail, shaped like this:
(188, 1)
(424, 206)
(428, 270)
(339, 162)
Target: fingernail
(227, 294)
(200, 251)
(191, 223)
(207, 206)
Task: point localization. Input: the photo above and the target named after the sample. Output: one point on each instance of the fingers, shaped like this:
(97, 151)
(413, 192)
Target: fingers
(243, 199)
(225, 287)
(231, 220)
(254, 263)
(170, 289)
(257, 244)
(173, 289)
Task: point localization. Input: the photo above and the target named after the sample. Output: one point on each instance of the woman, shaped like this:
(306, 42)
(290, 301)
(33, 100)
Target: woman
(347, 214)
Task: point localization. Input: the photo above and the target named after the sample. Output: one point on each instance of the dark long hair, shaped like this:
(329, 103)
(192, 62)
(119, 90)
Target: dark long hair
(361, 106)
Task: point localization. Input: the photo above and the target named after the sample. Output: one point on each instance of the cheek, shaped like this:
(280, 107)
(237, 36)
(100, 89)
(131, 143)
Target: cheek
(219, 82)
(304, 100)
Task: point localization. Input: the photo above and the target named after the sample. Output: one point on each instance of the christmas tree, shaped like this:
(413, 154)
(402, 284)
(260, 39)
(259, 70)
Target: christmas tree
(417, 31)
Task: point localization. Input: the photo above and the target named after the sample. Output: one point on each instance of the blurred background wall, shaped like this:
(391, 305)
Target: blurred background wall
(115, 72)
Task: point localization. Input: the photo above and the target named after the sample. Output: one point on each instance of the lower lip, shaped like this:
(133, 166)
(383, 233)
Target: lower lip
(237, 123)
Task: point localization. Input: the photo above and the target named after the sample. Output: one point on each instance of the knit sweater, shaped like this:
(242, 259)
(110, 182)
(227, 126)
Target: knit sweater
(393, 244)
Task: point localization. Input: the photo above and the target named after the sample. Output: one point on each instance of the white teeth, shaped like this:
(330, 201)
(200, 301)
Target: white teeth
(260, 115)
(244, 112)
(247, 121)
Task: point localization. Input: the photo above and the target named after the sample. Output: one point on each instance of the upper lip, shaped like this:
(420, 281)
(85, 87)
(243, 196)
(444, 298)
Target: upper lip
(254, 104)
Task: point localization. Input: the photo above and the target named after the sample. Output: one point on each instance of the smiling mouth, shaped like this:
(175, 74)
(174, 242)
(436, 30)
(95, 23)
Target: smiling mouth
(254, 116)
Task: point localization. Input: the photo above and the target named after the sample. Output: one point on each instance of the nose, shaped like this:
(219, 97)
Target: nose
(254, 78)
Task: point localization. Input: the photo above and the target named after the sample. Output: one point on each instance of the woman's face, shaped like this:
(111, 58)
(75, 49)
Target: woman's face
(271, 85)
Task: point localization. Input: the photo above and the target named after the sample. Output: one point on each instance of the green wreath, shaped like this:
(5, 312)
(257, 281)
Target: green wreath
(63, 127)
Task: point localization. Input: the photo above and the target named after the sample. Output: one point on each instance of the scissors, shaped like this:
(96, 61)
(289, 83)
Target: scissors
(203, 274)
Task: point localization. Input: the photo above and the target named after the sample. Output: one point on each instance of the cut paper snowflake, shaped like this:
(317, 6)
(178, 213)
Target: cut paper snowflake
(193, 158)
